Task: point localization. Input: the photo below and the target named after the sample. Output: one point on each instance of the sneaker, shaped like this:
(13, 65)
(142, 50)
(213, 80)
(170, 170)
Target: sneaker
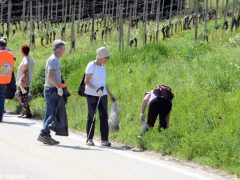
(90, 142)
(28, 116)
(23, 114)
(54, 141)
(47, 140)
(105, 143)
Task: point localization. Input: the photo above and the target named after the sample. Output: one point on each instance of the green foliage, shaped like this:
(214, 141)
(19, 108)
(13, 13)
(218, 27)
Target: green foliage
(38, 82)
(204, 123)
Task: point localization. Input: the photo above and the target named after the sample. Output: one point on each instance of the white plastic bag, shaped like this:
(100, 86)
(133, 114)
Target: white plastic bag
(113, 121)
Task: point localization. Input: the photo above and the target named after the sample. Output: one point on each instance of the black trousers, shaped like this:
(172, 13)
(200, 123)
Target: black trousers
(103, 116)
(159, 107)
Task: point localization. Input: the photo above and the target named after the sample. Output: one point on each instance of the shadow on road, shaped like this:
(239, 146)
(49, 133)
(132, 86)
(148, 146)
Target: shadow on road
(120, 148)
(19, 123)
(77, 147)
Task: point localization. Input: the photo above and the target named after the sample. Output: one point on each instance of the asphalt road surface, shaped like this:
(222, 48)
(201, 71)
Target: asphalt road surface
(23, 157)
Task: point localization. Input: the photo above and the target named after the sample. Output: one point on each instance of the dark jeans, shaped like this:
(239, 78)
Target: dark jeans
(159, 106)
(103, 116)
(51, 98)
(3, 89)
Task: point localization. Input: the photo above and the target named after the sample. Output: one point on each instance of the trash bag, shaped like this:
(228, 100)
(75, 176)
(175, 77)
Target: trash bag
(113, 121)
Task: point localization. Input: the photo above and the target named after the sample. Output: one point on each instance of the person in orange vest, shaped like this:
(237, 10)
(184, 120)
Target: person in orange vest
(6, 69)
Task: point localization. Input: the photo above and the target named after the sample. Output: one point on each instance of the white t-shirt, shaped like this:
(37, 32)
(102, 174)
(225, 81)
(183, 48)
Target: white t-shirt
(98, 78)
(27, 60)
(150, 96)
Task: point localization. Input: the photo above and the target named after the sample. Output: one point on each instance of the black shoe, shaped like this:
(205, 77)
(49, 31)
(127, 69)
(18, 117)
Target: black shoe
(28, 116)
(47, 140)
(54, 141)
(23, 114)
(106, 143)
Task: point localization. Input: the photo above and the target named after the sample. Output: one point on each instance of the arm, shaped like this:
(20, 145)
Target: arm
(167, 119)
(51, 78)
(110, 94)
(144, 103)
(87, 81)
(143, 107)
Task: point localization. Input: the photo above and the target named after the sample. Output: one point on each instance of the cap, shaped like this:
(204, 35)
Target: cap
(102, 52)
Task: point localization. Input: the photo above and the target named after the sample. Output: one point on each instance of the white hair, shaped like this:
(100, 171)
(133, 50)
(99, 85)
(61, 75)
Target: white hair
(58, 44)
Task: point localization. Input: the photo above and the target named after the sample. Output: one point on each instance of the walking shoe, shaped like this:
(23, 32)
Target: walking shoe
(105, 143)
(28, 116)
(23, 114)
(47, 140)
(90, 142)
(54, 141)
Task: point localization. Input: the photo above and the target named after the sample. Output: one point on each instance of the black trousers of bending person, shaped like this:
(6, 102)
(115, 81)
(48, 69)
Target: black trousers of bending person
(159, 107)
(103, 116)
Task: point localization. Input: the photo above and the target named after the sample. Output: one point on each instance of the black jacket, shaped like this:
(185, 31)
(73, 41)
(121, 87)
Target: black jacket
(60, 124)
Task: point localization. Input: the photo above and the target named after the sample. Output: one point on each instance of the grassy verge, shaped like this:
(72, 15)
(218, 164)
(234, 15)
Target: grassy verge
(205, 80)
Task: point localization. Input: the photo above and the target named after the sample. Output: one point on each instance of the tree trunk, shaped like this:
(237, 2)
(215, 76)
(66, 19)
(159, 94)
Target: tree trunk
(51, 12)
(56, 15)
(72, 28)
(121, 42)
(145, 14)
(158, 18)
(9, 17)
(1, 16)
(216, 18)
(206, 17)
(163, 5)
(196, 23)
(31, 25)
(63, 4)
(170, 15)
(93, 21)
(233, 14)
(65, 14)
(129, 25)
(24, 14)
(47, 28)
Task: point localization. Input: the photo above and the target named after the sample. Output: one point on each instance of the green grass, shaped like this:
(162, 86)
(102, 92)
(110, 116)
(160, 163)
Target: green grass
(204, 124)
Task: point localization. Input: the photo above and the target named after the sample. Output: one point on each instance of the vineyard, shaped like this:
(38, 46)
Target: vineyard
(191, 45)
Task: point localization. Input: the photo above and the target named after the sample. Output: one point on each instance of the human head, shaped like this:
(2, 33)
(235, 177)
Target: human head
(59, 47)
(25, 50)
(103, 55)
(3, 44)
(4, 38)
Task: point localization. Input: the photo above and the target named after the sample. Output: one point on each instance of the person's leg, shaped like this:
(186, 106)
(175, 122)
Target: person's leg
(51, 99)
(103, 116)
(23, 100)
(153, 112)
(2, 100)
(92, 104)
(165, 108)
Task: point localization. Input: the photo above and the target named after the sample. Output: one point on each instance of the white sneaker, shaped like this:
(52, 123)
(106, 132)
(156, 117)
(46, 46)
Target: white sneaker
(106, 143)
(90, 142)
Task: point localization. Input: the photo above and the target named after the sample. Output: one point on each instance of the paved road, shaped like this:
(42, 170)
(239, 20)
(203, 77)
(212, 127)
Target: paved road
(23, 157)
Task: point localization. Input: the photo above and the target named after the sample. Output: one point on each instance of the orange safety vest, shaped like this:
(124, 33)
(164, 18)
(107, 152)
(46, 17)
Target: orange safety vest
(6, 66)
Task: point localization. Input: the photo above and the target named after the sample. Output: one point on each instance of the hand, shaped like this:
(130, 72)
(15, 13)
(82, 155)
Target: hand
(142, 118)
(113, 98)
(60, 91)
(100, 91)
(24, 91)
